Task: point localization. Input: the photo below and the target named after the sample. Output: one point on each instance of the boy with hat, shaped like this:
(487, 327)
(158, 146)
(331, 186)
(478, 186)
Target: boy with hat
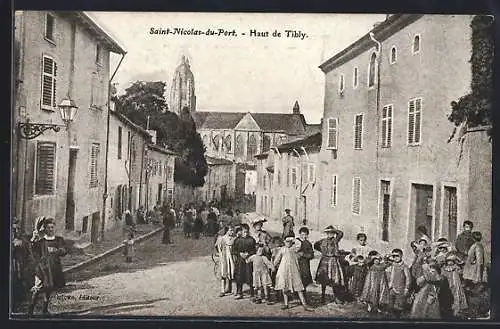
(452, 298)
(399, 282)
(329, 271)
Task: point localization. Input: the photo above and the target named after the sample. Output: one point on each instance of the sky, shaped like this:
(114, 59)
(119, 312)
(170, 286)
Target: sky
(241, 73)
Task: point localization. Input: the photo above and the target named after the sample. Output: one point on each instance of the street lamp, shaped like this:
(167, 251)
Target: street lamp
(30, 130)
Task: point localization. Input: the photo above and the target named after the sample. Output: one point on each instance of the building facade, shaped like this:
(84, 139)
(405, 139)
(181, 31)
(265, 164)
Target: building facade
(61, 174)
(286, 178)
(219, 181)
(159, 174)
(385, 162)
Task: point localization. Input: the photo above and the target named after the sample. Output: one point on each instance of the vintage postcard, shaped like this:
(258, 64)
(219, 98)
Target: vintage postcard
(251, 165)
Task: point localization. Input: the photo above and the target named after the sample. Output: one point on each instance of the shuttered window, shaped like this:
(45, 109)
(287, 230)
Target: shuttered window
(358, 132)
(287, 176)
(355, 78)
(387, 126)
(371, 70)
(294, 176)
(312, 173)
(94, 156)
(45, 168)
(332, 133)
(279, 177)
(333, 198)
(119, 142)
(356, 195)
(49, 77)
(414, 121)
(49, 26)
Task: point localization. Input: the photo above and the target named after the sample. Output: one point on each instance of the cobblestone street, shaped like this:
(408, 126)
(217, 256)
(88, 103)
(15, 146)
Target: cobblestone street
(174, 280)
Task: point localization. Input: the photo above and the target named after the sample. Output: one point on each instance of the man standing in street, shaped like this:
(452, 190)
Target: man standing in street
(465, 240)
(288, 224)
(168, 224)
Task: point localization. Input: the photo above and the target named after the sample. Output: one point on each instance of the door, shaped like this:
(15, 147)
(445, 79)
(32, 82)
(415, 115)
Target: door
(304, 210)
(223, 193)
(450, 212)
(70, 197)
(160, 190)
(423, 209)
(94, 233)
(386, 203)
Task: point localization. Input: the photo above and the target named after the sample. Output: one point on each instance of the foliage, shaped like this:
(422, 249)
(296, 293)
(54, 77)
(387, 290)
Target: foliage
(143, 99)
(475, 108)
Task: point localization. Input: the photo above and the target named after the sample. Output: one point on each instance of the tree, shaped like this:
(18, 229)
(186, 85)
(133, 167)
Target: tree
(146, 99)
(474, 109)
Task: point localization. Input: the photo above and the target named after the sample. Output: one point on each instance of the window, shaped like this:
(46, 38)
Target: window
(371, 70)
(216, 142)
(394, 55)
(94, 153)
(414, 121)
(356, 195)
(45, 168)
(287, 177)
(160, 167)
(283, 201)
(119, 142)
(355, 78)
(266, 143)
(279, 177)
(416, 44)
(332, 133)
(264, 181)
(49, 77)
(386, 203)
(305, 170)
(98, 54)
(312, 173)
(358, 132)
(239, 147)
(49, 27)
(227, 143)
(294, 176)
(252, 147)
(341, 83)
(387, 126)
(333, 197)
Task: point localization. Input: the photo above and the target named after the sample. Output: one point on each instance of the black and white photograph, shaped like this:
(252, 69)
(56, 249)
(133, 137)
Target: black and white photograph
(256, 165)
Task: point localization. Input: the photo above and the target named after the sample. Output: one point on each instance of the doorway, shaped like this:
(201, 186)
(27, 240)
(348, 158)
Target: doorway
(385, 197)
(94, 230)
(160, 190)
(450, 212)
(423, 208)
(70, 194)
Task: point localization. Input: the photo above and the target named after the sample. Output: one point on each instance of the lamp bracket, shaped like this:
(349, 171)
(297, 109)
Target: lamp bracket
(30, 130)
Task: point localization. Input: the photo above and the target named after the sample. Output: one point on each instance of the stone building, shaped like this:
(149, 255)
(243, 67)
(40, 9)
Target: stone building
(60, 56)
(385, 164)
(219, 181)
(286, 178)
(159, 176)
(182, 93)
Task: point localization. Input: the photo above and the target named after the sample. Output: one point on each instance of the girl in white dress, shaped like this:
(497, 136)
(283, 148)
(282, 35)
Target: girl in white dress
(224, 247)
(288, 274)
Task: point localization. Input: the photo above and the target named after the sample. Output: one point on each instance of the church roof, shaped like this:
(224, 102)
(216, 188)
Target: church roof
(313, 128)
(293, 124)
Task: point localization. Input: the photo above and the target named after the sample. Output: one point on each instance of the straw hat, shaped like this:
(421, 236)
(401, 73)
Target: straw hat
(290, 239)
(329, 228)
(455, 258)
(258, 220)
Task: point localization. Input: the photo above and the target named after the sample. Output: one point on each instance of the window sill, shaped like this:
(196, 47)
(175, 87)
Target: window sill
(48, 109)
(44, 196)
(52, 42)
(95, 107)
(414, 145)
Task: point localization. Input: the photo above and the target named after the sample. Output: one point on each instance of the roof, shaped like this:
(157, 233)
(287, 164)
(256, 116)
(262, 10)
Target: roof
(217, 161)
(161, 149)
(309, 142)
(217, 120)
(313, 128)
(98, 30)
(130, 124)
(382, 31)
(292, 124)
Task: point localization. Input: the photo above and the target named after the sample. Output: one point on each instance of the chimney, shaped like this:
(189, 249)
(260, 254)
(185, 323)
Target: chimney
(296, 108)
(153, 135)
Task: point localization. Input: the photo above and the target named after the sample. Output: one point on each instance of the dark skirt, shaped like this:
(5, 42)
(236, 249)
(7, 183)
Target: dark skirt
(305, 271)
(243, 271)
(357, 279)
(330, 272)
(49, 270)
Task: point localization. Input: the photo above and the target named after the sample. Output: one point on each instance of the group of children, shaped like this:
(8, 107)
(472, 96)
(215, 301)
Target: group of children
(434, 286)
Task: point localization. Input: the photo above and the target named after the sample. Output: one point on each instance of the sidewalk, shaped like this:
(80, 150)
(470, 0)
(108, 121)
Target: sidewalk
(113, 239)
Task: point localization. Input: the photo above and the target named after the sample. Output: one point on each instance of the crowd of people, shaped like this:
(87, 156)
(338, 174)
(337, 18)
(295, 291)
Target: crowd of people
(443, 281)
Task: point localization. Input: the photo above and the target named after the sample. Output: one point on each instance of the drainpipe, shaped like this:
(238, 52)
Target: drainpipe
(379, 58)
(105, 194)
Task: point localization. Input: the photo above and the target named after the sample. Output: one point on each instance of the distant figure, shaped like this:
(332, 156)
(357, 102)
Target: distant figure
(168, 224)
(212, 225)
(128, 247)
(288, 224)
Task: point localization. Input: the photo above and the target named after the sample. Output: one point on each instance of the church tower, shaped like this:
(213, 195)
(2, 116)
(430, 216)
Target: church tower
(182, 90)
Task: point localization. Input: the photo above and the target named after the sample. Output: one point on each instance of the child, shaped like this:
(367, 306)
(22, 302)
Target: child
(375, 290)
(442, 250)
(453, 300)
(357, 266)
(288, 275)
(305, 254)
(224, 247)
(243, 247)
(399, 283)
(128, 247)
(261, 278)
(329, 272)
(426, 303)
(474, 273)
(421, 251)
(275, 245)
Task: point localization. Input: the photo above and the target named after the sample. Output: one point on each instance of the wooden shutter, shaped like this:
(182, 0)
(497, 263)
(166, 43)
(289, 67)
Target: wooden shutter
(30, 170)
(94, 153)
(334, 191)
(389, 126)
(411, 122)
(384, 126)
(45, 168)
(358, 131)
(332, 133)
(356, 195)
(418, 108)
(49, 73)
